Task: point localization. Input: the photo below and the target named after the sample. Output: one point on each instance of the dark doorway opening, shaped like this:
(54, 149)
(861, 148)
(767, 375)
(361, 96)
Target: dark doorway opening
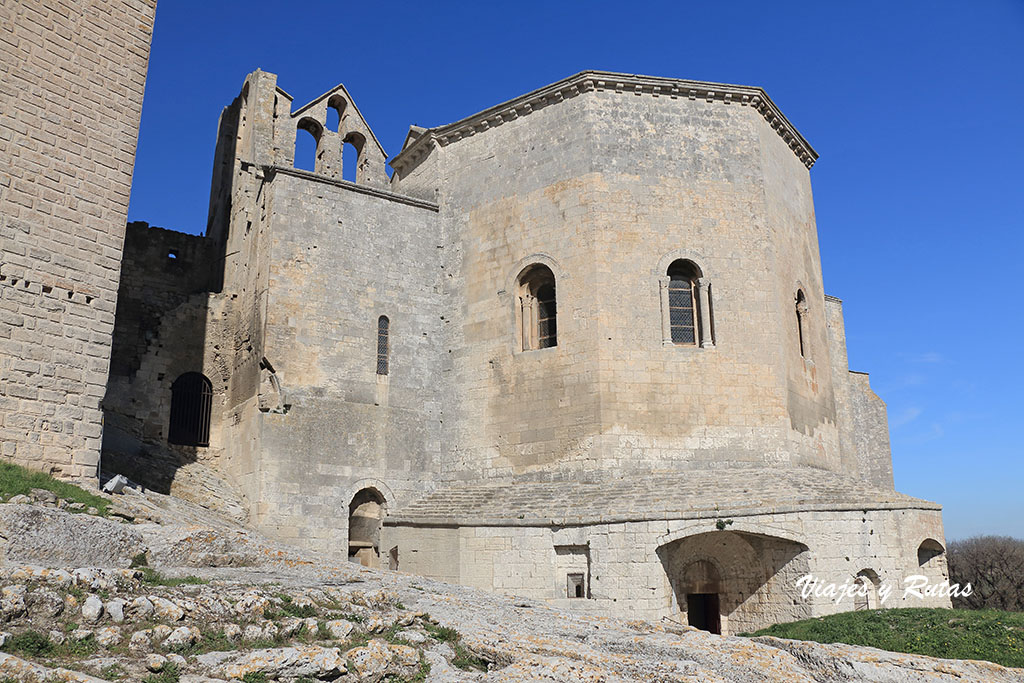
(702, 611)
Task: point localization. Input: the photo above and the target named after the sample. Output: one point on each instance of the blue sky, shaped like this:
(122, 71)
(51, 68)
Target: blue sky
(916, 109)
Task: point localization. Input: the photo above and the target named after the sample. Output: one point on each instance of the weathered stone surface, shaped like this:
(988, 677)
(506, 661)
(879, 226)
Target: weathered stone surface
(182, 636)
(28, 672)
(62, 220)
(291, 662)
(108, 636)
(339, 628)
(44, 603)
(53, 537)
(92, 609)
(165, 609)
(115, 610)
(155, 662)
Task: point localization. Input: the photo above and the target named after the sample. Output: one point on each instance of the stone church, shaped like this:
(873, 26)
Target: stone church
(577, 348)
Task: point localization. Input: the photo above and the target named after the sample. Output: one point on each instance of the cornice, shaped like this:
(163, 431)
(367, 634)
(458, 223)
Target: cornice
(588, 81)
(271, 170)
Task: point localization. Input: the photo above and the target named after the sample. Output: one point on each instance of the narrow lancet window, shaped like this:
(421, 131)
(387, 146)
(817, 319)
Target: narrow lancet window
(682, 306)
(383, 345)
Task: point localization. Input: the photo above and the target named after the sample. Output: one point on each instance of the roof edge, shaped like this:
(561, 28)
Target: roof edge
(586, 81)
(700, 513)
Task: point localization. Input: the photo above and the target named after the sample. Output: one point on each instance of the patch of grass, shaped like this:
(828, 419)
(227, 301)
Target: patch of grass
(169, 674)
(16, 480)
(38, 645)
(155, 578)
(441, 633)
(290, 609)
(30, 644)
(990, 635)
(464, 659)
(139, 560)
(254, 677)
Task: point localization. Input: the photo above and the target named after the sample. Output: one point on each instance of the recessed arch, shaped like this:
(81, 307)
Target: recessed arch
(726, 580)
(366, 513)
(866, 582)
(928, 553)
(537, 307)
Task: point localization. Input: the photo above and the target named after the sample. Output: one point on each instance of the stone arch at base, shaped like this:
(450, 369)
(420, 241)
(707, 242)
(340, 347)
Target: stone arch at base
(367, 505)
(734, 581)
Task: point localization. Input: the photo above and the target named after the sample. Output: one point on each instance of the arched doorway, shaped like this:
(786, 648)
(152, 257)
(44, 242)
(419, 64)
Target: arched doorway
(732, 581)
(365, 513)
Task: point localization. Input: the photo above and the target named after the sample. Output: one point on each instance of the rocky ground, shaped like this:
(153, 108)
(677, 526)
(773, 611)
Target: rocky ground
(219, 603)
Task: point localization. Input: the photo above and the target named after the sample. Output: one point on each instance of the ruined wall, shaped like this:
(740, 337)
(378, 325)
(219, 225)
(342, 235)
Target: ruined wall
(340, 258)
(608, 187)
(73, 77)
(861, 415)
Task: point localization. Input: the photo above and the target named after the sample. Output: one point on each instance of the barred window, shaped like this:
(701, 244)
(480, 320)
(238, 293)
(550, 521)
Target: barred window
(681, 304)
(383, 344)
(191, 401)
(537, 309)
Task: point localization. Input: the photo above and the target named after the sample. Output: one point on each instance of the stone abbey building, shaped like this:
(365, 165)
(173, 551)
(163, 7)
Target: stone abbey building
(576, 347)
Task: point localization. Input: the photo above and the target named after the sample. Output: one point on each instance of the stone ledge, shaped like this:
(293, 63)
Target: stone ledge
(270, 171)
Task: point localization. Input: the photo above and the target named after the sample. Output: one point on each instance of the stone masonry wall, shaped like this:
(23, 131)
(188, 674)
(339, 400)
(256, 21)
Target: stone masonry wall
(607, 188)
(339, 259)
(72, 76)
(634, 564)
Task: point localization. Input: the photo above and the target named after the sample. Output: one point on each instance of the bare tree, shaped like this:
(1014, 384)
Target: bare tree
(994, 566)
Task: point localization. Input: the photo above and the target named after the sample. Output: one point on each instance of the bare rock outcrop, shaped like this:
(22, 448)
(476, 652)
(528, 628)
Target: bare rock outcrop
(289, 614)
(35, 534)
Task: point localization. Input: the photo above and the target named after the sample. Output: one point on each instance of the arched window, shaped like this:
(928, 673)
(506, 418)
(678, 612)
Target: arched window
(191, 400)
(383, 344)
(365, 513)
(307, 147)
(537, 309)
(801, 321)
(683, 310)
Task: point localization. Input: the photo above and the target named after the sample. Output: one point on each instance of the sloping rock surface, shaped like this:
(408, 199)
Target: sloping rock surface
(272, 617)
